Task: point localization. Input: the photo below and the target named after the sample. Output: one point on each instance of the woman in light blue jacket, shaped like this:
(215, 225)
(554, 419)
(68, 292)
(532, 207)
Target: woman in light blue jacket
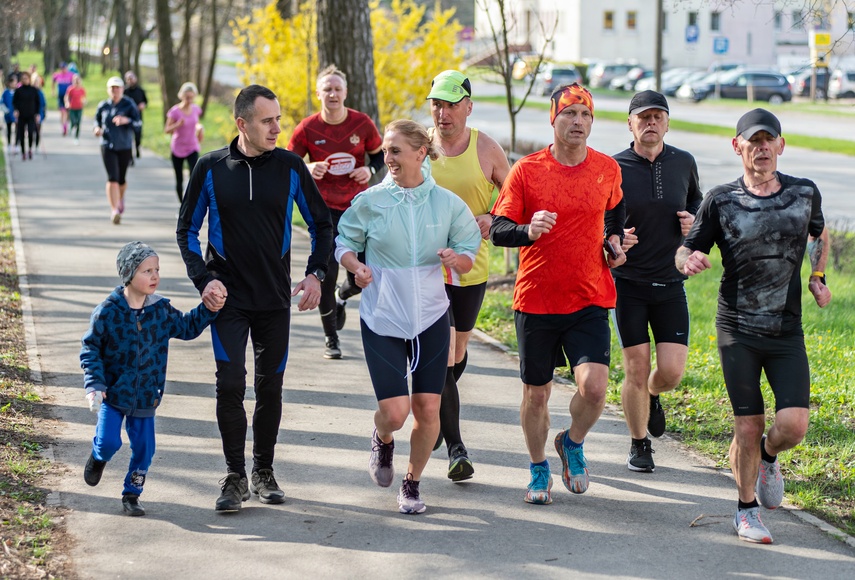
(409, 228)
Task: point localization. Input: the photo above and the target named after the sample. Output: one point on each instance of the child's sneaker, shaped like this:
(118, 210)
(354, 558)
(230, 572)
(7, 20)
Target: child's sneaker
(132, 506)
(93, 470)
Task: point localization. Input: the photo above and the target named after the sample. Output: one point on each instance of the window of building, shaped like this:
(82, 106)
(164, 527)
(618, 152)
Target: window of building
(778, 19)
(631, 19)
(609, 20)
(798, 20)
(850, 20)
(715, 21)
(693, 18)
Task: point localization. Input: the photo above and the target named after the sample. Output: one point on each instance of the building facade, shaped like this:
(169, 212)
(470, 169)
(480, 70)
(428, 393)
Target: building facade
(696, 33)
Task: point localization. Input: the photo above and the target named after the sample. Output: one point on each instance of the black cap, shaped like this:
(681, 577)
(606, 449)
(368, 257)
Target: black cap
(758, 120)
(647, 100)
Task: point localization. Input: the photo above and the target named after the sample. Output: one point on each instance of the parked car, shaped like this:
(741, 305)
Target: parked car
(553, 76)
(672, 79)
(842, 84)
(627, 82)
(768, 85)
(800, 82)
(601, 74)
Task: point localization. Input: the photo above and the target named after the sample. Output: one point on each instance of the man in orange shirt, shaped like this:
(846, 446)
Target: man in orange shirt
(553, 206)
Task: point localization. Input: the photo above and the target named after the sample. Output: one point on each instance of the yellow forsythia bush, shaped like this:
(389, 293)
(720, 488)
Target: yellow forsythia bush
(408, 52)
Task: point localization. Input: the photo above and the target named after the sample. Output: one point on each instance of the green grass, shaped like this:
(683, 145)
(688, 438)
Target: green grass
(826, 144)
(820, 472)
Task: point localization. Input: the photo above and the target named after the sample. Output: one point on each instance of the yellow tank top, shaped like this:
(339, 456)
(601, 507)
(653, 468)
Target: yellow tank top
(463, 176)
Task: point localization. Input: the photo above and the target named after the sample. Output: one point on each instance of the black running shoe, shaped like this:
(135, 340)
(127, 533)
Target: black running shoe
(264, 485)
(640, 457)
(332, 350)
(459, 466)
(235, 490)
(340, 310)
(131, 505)
(656, 422)
(93, 471)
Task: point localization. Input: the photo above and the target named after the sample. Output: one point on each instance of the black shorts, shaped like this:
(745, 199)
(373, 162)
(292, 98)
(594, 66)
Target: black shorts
(116, 163)
(387, 358)
(547, 341)
(661, 306)
(782, 358)
(465, 303)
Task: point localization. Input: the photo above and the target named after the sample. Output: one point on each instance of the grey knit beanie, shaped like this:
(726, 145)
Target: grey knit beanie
(129, 259)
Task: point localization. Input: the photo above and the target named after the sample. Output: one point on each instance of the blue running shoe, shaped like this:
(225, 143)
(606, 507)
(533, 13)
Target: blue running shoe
(540, 488)
(574, 471)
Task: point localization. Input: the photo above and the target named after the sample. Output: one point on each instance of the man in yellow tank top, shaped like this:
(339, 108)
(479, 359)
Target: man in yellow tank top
(472, 165)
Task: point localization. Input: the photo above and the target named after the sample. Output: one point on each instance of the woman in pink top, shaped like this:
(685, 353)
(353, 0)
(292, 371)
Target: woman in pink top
(182, 122)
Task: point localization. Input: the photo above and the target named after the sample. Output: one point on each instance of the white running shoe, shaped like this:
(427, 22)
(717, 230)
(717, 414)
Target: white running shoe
(749, 527)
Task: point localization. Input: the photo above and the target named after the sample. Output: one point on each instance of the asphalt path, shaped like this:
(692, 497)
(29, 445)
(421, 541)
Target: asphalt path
(674, 523)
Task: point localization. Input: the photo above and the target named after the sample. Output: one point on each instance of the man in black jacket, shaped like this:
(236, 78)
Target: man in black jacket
(137, 95)
(247, 191)
(661, 193)
(26, 105)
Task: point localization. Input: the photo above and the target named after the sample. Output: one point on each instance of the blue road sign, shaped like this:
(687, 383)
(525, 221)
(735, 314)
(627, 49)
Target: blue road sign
(692, 33)
(720, 45)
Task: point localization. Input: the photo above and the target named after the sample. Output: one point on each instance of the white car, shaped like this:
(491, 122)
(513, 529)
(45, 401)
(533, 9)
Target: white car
(842, 84)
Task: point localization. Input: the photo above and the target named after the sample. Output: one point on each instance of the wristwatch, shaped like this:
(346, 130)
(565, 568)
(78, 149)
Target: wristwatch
(319, 274)
(820, 275)
(371, 168)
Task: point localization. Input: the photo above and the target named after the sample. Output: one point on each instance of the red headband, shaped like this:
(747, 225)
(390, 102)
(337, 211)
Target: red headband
(574, 94)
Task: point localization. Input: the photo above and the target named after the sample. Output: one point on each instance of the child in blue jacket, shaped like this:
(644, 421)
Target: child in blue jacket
(124, 362)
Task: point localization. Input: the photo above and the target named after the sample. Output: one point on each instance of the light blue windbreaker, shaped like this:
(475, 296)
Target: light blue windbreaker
(400, 231)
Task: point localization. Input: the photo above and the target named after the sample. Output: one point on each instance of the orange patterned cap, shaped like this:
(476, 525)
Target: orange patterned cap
(574, 94)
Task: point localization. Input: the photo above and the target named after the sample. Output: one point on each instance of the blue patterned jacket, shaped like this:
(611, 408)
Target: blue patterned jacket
(124, 352)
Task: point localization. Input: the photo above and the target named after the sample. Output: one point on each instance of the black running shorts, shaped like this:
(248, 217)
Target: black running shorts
(547, 341)
(116, 163)
(465, 303)
(783, 359)
(391, 360)
(661, 306)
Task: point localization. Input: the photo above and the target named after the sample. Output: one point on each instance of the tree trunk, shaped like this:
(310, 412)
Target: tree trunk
(124, 62)
(169, 83)
(344, 39)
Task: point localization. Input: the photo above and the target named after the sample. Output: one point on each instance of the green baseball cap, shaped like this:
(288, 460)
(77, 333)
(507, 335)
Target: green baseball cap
(451, 86)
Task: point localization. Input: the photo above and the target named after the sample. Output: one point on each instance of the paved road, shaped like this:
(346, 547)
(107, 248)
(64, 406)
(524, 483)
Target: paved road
(336, 523)
(717, 163)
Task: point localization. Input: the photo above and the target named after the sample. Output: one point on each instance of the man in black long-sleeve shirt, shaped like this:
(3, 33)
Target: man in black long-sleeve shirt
(27, 105)
(248, 190)
(661, 194)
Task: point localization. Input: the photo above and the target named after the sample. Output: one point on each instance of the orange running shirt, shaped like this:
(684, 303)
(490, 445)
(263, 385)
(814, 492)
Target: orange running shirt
(565, 270)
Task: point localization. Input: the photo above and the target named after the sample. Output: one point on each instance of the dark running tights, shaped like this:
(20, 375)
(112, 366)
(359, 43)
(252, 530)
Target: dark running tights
(449, 408)
(327, 306)
(178, 166)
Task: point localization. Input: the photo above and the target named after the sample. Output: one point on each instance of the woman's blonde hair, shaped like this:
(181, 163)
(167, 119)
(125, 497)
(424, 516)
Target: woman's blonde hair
(416, 135)
(187, 87)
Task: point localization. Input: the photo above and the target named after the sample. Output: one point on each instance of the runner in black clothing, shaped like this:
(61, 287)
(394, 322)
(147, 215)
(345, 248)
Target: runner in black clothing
(135, 92)
(762, 223)
(247, 190)
(26, 105)
(661, 195)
